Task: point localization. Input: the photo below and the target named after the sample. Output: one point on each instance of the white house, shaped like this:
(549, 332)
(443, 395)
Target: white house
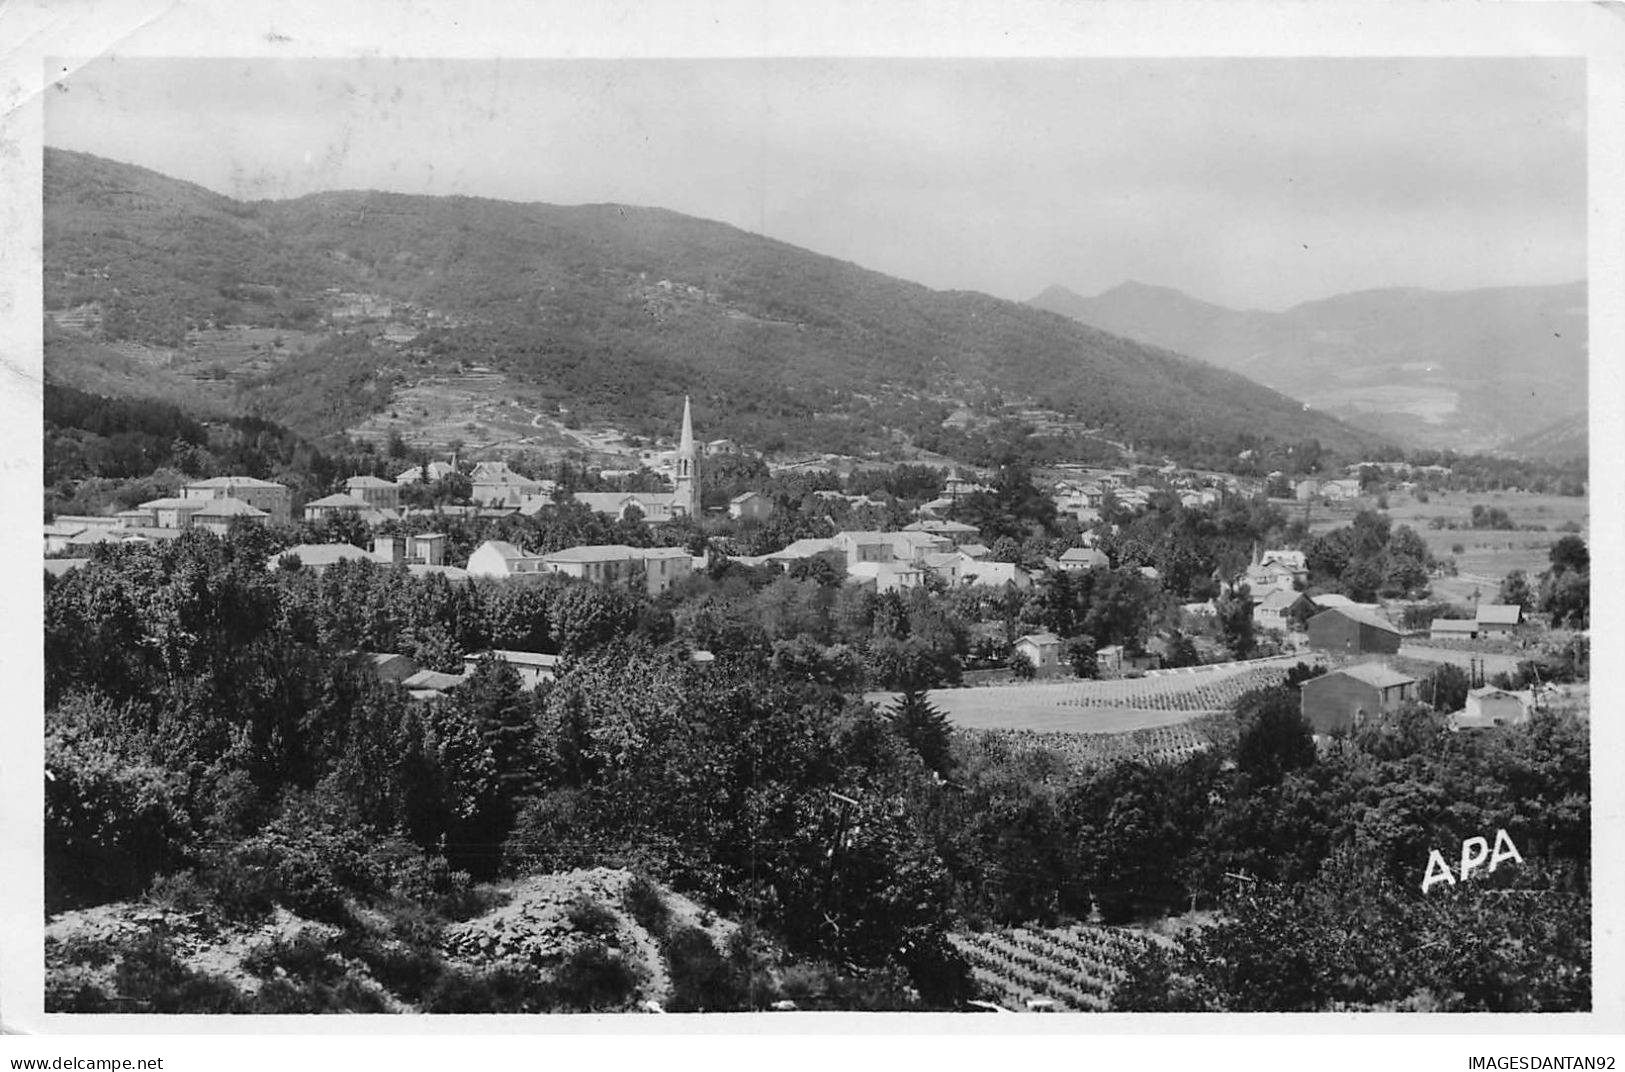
(617, 564)
(533, 667)
(1082, 558)
(500, 559)
(1043, 650)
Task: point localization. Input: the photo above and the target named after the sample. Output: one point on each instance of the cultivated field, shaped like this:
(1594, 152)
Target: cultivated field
(1104, 707)
(1486, 555)
(1075, 969)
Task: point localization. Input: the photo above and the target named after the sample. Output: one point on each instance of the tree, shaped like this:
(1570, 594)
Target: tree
(1566, 596)
(1274, 737)
(1080, 653)
(1234, 612)
(1446, 688)
(924, 727)
(1515, 590)
(1570, 553)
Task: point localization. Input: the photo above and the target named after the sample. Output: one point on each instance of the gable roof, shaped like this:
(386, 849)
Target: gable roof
(1364, 617)
(1453, 625)
(940, 527)
(432, 681)
(505, 550)
(1377, 674)
(229, 507)
(234, 482)
(1041, 639)
(1499, 613)
(341, 499)
(369, 482)
(613, 502)
(173, 503)
(1279, 600)
(603, 552)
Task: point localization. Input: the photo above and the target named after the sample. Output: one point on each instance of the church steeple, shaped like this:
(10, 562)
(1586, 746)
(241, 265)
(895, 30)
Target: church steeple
(687, 497)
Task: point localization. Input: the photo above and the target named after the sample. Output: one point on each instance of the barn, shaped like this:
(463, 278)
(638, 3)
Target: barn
(1353, 631)
(1347, 699)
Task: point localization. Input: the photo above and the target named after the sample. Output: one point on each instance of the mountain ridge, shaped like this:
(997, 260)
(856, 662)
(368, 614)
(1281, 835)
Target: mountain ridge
(1473, 369)
(615, 312)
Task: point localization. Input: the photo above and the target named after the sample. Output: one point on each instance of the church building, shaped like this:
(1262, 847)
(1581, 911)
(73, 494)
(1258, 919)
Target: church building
(657, 506)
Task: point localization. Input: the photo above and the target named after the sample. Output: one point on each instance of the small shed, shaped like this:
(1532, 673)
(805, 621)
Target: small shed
(751, 505)
(1453, 629)
(1499, 619)
(1488, 707)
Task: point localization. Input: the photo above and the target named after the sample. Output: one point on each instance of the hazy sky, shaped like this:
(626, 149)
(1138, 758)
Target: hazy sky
(1254, 183)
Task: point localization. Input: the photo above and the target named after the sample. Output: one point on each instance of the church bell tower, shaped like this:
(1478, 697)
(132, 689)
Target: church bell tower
(686, 498)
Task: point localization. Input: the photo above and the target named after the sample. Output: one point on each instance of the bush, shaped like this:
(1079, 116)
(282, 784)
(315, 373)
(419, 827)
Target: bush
(590, 918)
(113, 820)
(701, 979)
(150, 978)
(499, 990)
(300, 862)
(307, 974)
(593, 979)
(643, 902)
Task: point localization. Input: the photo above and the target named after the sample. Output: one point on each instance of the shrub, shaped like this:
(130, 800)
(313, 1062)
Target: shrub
(590, 918)
(301, 862)
(112, 819)
(499, 990)
(593, 979)
(701, 979)
(643, 902)
(306, 974)
(150, 978)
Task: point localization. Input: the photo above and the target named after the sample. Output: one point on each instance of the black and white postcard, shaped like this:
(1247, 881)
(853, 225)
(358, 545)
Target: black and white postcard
(1004, 520)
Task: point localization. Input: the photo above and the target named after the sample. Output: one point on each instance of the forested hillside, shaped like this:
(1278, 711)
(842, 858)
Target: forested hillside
(615, 312)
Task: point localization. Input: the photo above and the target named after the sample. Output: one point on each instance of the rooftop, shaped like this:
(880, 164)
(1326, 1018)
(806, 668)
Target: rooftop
(1453, 625)
(1377, 674)
(369, 482)
(173, 503)
(516, 658)
(341, 499)
(322, 554)
(234, 482)
(1364, 617)
(229, 507)
(607, 552)
(505, 550)
(1500, 613)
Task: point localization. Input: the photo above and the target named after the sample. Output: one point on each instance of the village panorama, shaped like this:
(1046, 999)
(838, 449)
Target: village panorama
(464, 606)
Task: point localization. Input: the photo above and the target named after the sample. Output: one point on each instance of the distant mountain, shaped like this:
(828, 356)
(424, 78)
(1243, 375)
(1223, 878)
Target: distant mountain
(1469, 370)
(611, 312)
(1561, 441)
